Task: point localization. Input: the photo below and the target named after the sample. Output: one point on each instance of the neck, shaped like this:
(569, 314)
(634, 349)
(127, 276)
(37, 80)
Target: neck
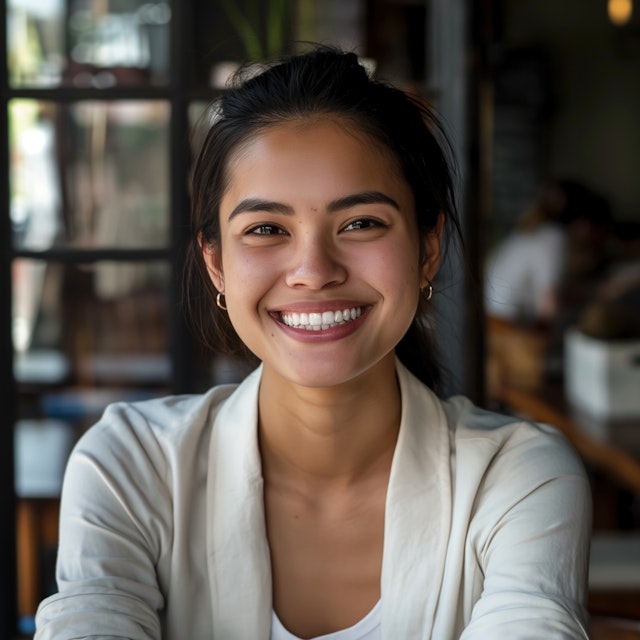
(329, 437)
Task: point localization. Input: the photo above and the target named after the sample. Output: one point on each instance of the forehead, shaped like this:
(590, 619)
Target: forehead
(321, 143)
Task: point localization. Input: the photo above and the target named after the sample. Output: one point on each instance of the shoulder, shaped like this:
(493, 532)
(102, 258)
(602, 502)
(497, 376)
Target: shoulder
(142, 457)
(484, 438)
(168, 434)
(493, 437)
(160, 422)
(500, 463)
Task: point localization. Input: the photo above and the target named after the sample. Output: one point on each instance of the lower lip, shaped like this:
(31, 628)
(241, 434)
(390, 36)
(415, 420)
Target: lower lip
(324, 335)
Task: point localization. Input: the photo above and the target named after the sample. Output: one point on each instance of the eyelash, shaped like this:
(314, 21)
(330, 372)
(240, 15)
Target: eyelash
(360, 224)
(363, 223)
(261, 230)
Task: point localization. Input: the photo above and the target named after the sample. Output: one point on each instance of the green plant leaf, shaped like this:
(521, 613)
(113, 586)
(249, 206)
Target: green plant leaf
(245, 29)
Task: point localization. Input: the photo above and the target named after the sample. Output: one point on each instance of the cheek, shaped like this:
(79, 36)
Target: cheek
(247, 277)
(240, 267)
(397, 266)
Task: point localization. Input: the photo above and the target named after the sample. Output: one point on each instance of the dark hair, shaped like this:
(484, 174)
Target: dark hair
(324, 81)
(565, 201)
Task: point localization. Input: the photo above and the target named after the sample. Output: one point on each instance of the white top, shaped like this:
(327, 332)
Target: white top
(524, 271)
(163, 533)
(369, 628)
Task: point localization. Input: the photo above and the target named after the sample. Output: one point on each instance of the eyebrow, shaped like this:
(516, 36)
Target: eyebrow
(249, 205)
(366, 197)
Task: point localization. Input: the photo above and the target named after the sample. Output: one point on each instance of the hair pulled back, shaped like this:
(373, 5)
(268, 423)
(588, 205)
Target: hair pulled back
(323, 82)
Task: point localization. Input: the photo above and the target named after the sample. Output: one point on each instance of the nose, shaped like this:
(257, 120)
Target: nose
(316, 264)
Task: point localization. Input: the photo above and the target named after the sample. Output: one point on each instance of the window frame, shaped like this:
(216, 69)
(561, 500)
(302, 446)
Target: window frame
(178, 93)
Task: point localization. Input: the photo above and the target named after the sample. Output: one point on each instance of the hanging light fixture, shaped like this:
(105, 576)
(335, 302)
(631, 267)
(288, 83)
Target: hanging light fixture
(620, 11)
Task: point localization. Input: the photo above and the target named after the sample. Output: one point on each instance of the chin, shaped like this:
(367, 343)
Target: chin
(329, 373)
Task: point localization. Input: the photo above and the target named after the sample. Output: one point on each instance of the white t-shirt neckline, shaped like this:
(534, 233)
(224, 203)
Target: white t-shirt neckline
(366, 629)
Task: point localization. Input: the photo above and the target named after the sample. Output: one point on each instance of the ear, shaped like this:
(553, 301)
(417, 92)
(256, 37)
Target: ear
(213, 261)
(431, 252)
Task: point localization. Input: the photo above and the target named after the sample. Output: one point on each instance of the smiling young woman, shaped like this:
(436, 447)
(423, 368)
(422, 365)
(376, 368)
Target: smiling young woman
(333, 493)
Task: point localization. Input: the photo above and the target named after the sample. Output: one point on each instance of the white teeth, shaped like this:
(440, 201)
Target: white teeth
(320, 321)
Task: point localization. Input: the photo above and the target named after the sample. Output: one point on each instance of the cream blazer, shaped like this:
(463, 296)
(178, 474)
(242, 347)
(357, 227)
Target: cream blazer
(163, 531)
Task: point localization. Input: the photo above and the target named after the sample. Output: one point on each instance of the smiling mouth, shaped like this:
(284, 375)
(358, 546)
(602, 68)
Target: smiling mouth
(320, 321)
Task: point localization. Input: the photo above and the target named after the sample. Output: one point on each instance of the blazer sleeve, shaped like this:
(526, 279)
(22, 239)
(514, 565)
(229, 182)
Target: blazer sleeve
(531, 536)
(113, 526)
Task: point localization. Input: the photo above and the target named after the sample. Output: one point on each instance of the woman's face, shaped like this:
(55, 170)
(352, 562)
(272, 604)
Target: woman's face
(319, 252)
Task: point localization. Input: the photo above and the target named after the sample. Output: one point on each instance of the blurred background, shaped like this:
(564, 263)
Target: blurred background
(102, 104)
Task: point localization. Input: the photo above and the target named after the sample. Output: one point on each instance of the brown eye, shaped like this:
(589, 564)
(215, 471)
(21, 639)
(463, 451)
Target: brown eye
(266, 230)
(362, 223)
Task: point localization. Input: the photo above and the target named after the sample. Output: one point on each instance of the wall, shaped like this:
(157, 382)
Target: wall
(594, 126)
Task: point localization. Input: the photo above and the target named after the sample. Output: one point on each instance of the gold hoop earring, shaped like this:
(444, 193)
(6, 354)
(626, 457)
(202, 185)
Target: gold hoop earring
(220, 302)
(429, 288)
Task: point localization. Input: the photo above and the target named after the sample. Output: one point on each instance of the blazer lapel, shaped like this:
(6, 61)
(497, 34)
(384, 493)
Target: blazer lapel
(418, 515)
(237, 547)
(417, 522)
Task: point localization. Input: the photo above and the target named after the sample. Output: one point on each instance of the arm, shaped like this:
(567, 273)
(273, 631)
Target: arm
(112, 530)
(534, 555)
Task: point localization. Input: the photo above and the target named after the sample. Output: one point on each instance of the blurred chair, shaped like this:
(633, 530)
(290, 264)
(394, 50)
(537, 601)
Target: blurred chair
(516, 356)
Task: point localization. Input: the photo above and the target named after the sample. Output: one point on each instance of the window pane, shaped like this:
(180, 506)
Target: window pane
(88, 43)
(89, 174)
(103, 325)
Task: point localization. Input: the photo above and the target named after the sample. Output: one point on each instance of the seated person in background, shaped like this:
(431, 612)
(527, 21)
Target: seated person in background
(558, 238)
(537, 279)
